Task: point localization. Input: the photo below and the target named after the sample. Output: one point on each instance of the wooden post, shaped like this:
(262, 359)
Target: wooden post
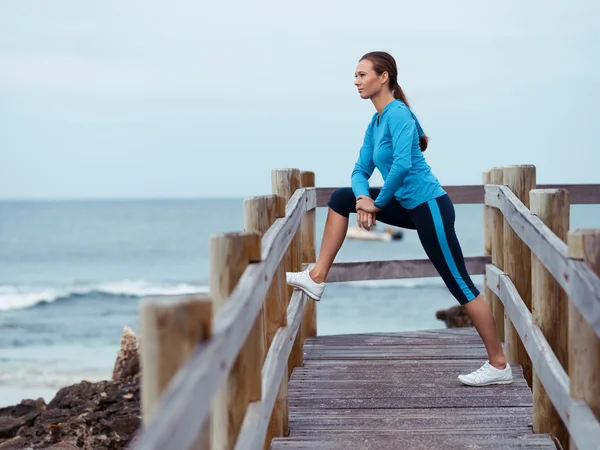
(584, 345)
(230, 254)
(496, 177)
(487, 237)
(171, 329)
(259, 214)
(285, 182)
(309, 255)
(549, 307)
(517, 263)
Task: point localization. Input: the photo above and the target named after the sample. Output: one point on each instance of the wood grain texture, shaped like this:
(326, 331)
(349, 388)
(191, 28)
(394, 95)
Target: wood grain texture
(395, 269)
(172, 328)
(585, 429)
(382, 395)
(517, 262)
(286, 182)
(259, 215)
(549, 307)
(488, 212)
(308, 255)
(581, 194)
(584, 344)
(497, 178)
(230, 255)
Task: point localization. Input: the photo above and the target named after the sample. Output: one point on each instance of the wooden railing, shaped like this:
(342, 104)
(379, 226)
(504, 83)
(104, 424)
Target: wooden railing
(215, 369)
(550, 301)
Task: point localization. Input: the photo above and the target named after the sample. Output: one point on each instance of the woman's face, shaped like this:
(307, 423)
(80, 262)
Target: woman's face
(367, 81)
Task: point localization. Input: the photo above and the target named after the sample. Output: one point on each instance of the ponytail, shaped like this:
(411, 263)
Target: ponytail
(399, 95)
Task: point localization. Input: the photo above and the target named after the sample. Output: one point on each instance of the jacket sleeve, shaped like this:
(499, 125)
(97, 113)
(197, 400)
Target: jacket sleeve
(402, 129)
(364, 167)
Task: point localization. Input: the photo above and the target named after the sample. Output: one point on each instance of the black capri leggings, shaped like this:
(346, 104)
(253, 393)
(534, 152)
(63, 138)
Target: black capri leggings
(434, 222)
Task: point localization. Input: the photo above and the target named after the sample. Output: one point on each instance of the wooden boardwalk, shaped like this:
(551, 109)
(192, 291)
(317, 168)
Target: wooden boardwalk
(400, 391)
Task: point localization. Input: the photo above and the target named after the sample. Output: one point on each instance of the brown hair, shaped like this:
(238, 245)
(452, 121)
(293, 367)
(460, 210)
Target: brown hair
(384, 62)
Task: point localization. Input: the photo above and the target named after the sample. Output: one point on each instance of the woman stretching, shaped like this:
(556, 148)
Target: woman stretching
(411, 197)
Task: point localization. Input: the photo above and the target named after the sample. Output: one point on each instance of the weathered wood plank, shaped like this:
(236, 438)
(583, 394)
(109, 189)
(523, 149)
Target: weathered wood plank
(177, 419)
(581, 194)
(392, 340)
(456, 442)
(381, 390)
(435, 377)
(372, 421)
(504, 398)
(396, 354)
(431, 430)
(395, 269)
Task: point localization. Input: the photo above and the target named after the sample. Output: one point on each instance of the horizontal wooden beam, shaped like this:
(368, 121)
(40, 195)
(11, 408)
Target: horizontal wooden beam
(254, 429)
(185, 406)
(579, 419)
(580, 194)
(394, 269)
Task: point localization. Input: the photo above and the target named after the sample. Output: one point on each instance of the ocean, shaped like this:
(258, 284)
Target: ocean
(72, 273)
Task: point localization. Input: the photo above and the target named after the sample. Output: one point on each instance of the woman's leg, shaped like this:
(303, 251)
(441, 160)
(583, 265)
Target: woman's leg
(334, 234)
(435, 226)
(483, 319)
(341, 204)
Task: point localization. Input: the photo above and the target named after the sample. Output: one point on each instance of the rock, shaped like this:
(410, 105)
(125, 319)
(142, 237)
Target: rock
(128, 360)
(64, 446)
(85, 415)
(455, 317)
(17, 443)
(12, 418)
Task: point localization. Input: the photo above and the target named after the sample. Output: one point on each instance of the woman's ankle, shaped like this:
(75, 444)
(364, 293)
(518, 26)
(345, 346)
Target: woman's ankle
(316, 276)
(498, 362)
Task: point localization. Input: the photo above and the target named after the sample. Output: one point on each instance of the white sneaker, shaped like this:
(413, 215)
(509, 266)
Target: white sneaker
(303, 281)
(486, 375)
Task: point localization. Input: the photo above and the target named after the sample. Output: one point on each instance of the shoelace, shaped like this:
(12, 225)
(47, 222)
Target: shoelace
(482, 368)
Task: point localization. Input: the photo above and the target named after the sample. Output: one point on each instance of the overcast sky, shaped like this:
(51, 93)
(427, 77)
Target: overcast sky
(187, 98)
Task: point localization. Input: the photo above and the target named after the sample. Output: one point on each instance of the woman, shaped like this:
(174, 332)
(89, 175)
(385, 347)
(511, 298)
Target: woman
(411, 197)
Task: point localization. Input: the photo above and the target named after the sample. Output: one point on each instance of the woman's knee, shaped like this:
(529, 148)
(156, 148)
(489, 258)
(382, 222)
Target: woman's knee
(343, 201)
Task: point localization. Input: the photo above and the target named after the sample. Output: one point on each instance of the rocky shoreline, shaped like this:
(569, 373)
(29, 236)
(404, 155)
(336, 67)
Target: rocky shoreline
(101, 415)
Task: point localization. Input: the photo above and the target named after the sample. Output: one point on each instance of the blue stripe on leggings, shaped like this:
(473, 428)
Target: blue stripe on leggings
(441, 235)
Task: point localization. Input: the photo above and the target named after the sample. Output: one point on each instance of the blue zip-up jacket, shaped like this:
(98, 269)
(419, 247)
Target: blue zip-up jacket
(392, 145)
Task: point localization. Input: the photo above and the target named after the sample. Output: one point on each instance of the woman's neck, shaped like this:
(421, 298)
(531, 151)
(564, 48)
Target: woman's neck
(381, 100)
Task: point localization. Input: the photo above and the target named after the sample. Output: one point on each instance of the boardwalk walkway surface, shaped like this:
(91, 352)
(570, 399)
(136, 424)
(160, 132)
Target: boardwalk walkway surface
(399, 391)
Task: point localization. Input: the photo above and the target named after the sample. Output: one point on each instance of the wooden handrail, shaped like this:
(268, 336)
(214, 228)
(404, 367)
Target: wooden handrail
(577, 416)
(575, 277)
(177, 419)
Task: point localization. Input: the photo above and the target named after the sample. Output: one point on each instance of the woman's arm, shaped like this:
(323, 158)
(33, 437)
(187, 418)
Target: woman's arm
(402, 129)
(364, 167)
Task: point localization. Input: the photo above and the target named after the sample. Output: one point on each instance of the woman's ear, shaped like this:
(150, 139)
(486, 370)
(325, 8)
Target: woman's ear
(384, 78)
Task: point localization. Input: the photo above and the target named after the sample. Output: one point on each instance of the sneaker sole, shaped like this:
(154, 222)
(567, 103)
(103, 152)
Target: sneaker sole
(314, 297)
(486, 384)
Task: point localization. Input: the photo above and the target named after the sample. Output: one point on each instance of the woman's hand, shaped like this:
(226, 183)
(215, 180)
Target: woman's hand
(365, 218)
(366, 204)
